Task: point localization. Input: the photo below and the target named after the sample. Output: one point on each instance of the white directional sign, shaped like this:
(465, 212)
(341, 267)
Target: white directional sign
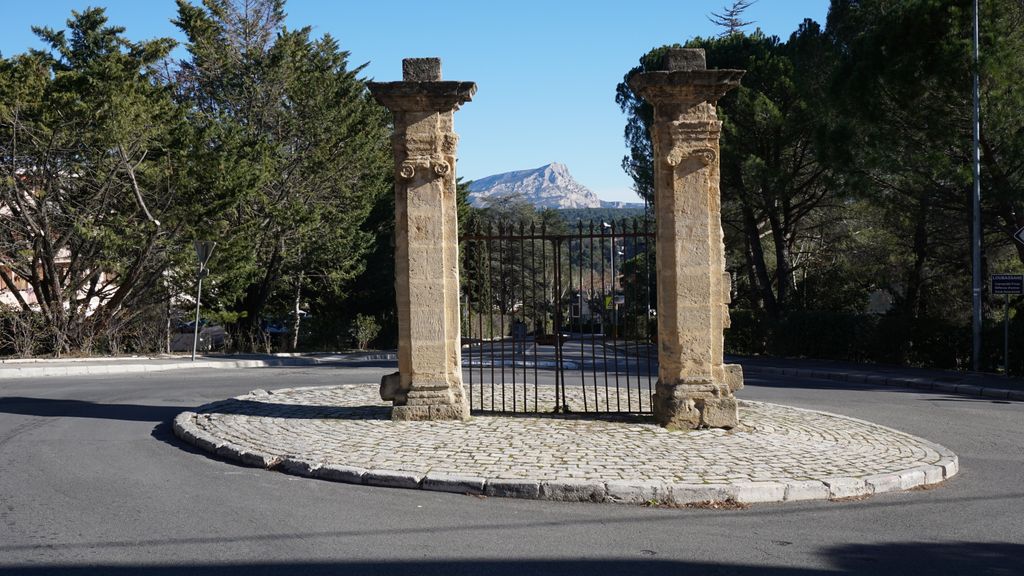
(1019, 236)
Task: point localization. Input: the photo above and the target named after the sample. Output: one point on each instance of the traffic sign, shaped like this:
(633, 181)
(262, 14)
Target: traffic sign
(1019, 236)
(204, 249)
(1008, 284)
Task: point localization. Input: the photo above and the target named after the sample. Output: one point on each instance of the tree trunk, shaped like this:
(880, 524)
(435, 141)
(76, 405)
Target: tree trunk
(764, 283)
(298, 313)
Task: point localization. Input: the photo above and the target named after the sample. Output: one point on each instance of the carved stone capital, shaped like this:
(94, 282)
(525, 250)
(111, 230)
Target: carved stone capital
(434, 164)
(691, 139)
(679, 153)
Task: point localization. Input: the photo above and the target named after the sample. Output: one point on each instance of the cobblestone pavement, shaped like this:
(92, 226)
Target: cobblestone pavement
(780, 453)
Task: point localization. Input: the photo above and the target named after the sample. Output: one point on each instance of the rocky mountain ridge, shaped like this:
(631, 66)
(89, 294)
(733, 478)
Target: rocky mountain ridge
(550, 186)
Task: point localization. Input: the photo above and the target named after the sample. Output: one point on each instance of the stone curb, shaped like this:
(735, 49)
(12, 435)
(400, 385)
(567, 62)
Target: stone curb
(570, 490)
(902, 382)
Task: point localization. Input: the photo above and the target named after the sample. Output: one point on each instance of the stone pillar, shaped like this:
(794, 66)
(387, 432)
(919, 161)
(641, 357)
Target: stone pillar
(428, 385)
(695, 389)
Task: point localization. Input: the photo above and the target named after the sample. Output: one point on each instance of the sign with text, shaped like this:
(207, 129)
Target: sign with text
(1008, 284)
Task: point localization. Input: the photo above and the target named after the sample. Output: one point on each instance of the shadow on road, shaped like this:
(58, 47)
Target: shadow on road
(51, 408)
(891, 558)
(56, 408)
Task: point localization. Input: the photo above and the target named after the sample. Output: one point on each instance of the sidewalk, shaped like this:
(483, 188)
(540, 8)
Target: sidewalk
(46, 367)
(945, 381)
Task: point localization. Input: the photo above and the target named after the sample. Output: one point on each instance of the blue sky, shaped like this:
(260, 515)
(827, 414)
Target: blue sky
(546, 70)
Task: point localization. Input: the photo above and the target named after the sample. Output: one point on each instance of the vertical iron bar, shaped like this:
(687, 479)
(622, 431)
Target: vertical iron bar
(593, 333)
(579, 323)
(624, 230)
(466, 259)
(635, 318)
(544, 290)
(647, 320)
(557, 321)
(481, 251)
(522, 293)
(501, 308)
(490, 305)
(533, 291)
(511, 300)
(606, 325)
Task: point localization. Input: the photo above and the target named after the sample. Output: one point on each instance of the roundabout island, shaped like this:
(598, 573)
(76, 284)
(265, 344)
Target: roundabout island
(777, 454)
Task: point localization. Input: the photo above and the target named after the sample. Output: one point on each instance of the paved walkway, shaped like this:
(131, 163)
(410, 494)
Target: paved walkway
(343, 433)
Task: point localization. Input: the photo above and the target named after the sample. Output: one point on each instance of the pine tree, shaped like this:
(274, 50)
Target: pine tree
(730, 19)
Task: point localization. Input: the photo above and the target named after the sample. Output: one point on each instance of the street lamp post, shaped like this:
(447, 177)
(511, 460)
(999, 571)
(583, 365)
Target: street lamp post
(976, 203)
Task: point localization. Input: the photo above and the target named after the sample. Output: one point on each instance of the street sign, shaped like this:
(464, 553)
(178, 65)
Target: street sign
(1009, 284)
(204, 249)
(1019, 236)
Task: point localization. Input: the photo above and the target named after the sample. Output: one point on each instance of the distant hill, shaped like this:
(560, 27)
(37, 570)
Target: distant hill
(550, 186)
(599, 215)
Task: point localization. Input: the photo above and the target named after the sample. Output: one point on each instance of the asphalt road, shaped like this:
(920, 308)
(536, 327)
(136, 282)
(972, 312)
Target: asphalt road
(93, 482)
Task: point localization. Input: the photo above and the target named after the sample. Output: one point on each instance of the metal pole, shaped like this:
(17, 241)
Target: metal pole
(1006, 335)
(195, 335)
(976, 202)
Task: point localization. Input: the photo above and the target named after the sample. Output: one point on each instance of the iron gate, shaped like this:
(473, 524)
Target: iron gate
(559, 319)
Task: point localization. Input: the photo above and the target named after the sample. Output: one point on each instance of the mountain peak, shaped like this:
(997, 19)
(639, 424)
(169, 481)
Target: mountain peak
(549, 186)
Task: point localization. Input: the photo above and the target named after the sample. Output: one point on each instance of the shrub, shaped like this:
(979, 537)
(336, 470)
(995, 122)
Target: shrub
(364, 329)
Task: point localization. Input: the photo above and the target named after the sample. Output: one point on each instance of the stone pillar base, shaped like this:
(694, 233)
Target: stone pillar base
(693, 405)
(424, 401)
(733, 376)
(430, 412)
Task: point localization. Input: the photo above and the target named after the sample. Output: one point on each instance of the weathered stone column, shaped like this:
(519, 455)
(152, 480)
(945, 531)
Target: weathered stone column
(695, 389)
(428, 385)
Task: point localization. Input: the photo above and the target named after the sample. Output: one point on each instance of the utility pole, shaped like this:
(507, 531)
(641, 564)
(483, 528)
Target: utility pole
(976, 202)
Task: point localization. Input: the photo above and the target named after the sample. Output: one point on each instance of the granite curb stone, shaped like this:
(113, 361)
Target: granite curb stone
(392, 478)
(454, 483)
(798, 490)
(842, 487)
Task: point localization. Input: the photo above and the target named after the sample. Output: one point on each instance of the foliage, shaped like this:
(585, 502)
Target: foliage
(845, 170)
(779, 202)
(93, 193)
(364, 329)
(301, 145)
